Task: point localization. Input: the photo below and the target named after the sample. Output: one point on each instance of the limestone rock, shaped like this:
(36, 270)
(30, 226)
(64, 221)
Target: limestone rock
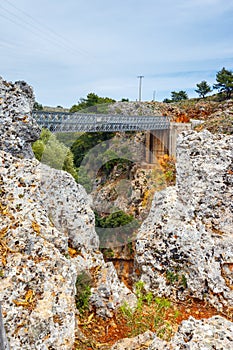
(213, 333)
(68, 206)
(139, 342)
(18, 129)
(185, 248)
(37, 281)
(43, 212)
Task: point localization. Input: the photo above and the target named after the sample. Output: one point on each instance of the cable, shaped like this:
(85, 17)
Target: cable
(38, 31)
(65, 40)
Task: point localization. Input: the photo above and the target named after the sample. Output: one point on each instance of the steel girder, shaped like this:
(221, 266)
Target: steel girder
(83, 122)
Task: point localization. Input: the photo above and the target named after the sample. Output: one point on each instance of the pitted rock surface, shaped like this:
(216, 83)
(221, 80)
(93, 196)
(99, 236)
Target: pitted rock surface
(185, 245)
(68, 206)
(37, 281)
(17, 127)
(214, 333)
(43, 211)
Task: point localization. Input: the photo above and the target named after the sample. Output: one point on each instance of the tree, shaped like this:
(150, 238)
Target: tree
(37, 106)
(167, 100)
(224, 83)
(50, 151)
(92, 100)
(178, 96)
(203, 88)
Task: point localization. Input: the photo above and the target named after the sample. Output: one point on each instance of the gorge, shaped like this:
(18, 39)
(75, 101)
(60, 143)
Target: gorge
(183, 250)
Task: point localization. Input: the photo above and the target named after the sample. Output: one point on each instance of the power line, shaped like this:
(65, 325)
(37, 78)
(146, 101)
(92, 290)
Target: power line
(48, 34)
(42, 26)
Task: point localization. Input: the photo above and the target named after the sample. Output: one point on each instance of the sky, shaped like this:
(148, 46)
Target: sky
(67, 49)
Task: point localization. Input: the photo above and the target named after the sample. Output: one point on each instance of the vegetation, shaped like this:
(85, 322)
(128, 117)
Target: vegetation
(224, 83)
(86, 142)
(89, 104)
(83, 292)
(92, 153)
(168, 165)
(177, 96)
(50, 151)
(150, 313)
(37, 106)
(116, 227)
(174, 278)
(203, 89)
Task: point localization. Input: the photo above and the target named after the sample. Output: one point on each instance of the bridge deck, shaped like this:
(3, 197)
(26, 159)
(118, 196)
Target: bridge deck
(74, 122)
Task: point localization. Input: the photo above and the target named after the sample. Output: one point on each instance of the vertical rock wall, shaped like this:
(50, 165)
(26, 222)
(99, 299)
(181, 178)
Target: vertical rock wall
(17, 128)
(185, 246)
(42, 212)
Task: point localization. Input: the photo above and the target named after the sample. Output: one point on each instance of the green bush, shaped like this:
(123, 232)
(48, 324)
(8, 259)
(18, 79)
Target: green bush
(50, 151)
(83, 292)
(123, 224)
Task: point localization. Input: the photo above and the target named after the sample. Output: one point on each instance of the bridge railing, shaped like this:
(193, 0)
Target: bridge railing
(74, 122)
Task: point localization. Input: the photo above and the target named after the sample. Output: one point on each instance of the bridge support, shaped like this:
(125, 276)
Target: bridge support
(160, 142)
(157, 144)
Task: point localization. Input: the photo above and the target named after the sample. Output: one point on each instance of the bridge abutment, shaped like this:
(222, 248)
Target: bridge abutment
(161, 142)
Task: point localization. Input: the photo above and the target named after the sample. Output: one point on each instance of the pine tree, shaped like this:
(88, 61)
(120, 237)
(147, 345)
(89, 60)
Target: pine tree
(224, 83)
(203, 88)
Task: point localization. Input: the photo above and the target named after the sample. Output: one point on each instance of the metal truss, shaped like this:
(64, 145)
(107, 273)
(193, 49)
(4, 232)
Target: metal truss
(75, 122)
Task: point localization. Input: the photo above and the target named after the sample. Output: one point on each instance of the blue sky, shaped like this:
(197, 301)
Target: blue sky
(66, 49)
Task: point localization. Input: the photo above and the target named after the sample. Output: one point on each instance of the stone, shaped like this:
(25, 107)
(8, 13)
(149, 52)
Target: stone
(45, 215)
(18, 128)
(69, 208)
(213, 333)
(139, 342)
(184, 248)
(38, 282)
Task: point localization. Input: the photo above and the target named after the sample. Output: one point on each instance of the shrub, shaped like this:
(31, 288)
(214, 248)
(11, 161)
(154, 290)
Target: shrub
(83, 292)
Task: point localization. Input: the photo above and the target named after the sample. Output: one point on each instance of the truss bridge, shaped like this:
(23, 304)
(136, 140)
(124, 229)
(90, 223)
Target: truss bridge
(83, 122)
(160, 137)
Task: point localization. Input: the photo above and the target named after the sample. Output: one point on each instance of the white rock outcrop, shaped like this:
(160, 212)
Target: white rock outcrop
(17, 129)
(37, 287)
(185, 247)
(43, 212)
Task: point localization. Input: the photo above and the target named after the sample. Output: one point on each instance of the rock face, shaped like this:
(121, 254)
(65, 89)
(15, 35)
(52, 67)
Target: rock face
(185, 246)
(69, 208)
(18, 129)
(47, 239)
(37, 281)
(213, 333)
(44, 216)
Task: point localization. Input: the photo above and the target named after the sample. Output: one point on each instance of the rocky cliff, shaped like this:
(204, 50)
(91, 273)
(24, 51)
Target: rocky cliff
(47, 239)
(45, 216)
(184, 247)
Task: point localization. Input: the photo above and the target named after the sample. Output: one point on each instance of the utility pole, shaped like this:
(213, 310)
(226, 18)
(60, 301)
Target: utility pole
(154, 93)
(140, 87)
